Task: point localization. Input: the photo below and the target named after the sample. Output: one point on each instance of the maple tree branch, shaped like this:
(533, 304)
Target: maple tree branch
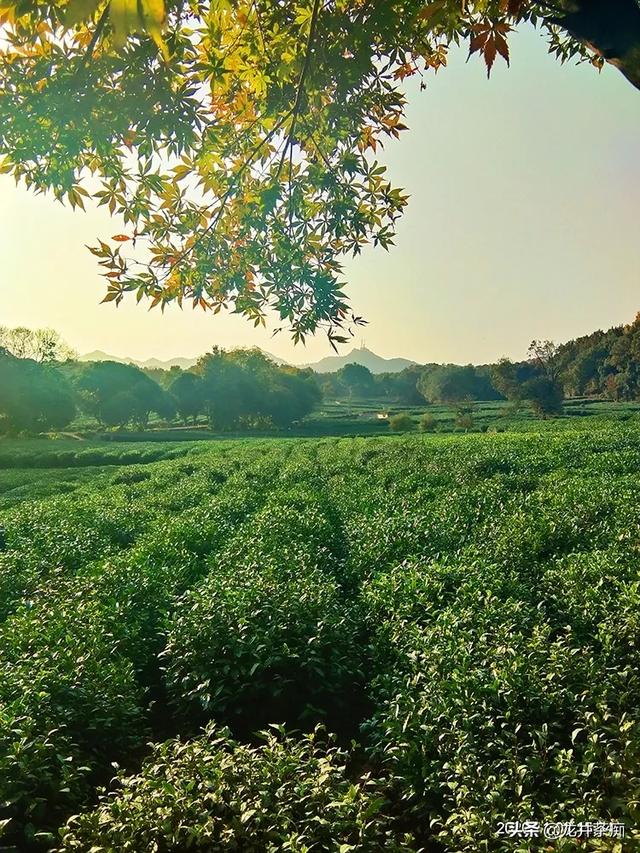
(290, 200)
(259, 23)
(102, 20)
(610, 29)
(301, 82)
(230, 190)
(307, 64)
(291, 114)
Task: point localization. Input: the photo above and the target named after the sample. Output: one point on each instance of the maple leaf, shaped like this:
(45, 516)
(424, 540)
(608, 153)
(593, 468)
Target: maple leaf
(489, 38)
(431, 9)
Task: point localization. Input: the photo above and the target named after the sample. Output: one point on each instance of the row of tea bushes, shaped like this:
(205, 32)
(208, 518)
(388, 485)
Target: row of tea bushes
(269, 634)
(79, 656)
(493, 702)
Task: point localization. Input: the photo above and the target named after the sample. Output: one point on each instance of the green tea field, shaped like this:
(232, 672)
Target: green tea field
(321, 645)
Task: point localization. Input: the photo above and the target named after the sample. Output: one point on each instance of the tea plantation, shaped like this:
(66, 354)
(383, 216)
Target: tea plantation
(354, 644)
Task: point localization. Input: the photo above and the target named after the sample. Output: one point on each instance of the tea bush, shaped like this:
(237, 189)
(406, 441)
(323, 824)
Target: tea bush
(69, 704)
(215, 794)
(486, 706)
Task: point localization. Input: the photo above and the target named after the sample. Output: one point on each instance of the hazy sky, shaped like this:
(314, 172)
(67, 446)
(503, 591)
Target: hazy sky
(523, 223)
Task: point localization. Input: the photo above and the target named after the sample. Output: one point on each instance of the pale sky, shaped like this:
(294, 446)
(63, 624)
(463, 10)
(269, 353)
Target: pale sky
(522, 223)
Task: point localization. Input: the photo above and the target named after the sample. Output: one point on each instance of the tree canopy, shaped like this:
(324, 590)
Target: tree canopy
(33, 397)
(41, 345)
(186, 389)
(453, 383)
(245, 388)
(539, 379)
(355, 379)
(118, 394)
(238, 140)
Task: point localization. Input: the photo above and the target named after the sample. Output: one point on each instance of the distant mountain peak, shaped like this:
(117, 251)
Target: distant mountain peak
(364, 356)
(358, 355)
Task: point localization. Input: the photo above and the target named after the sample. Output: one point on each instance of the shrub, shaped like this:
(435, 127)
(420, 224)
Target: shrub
(255, 644)
(215, 794)
(464, 420)
(427, 422)
(401, 423)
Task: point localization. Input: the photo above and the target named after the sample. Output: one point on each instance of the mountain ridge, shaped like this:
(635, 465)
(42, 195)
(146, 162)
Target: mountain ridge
(329, 364)
(149, 363)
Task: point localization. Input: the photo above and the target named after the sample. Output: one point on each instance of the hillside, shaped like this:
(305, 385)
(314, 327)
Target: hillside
(149, 364)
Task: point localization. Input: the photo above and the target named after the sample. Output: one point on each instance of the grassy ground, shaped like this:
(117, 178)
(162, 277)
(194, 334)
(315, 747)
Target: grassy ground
(362, 416)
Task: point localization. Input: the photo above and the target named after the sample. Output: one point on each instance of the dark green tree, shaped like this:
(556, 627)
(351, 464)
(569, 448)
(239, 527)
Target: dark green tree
(188, 392)
(536, 380)
(401, 387)
(545, 389)
(453, 383)
(33, 397)
(293, 394)
(356, 380)
(546, 396)
(230, 392)
(243, 387)
(119, 394)
(624, 358)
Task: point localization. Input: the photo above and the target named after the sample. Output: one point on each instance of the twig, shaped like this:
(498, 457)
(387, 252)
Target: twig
(94, 38)
(301, 82)
(232, 187)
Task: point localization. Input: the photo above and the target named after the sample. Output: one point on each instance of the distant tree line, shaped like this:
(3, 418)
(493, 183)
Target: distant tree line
(602, 364)
(234, 390)
(33, 396)
(43, 387)
(433, 383)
